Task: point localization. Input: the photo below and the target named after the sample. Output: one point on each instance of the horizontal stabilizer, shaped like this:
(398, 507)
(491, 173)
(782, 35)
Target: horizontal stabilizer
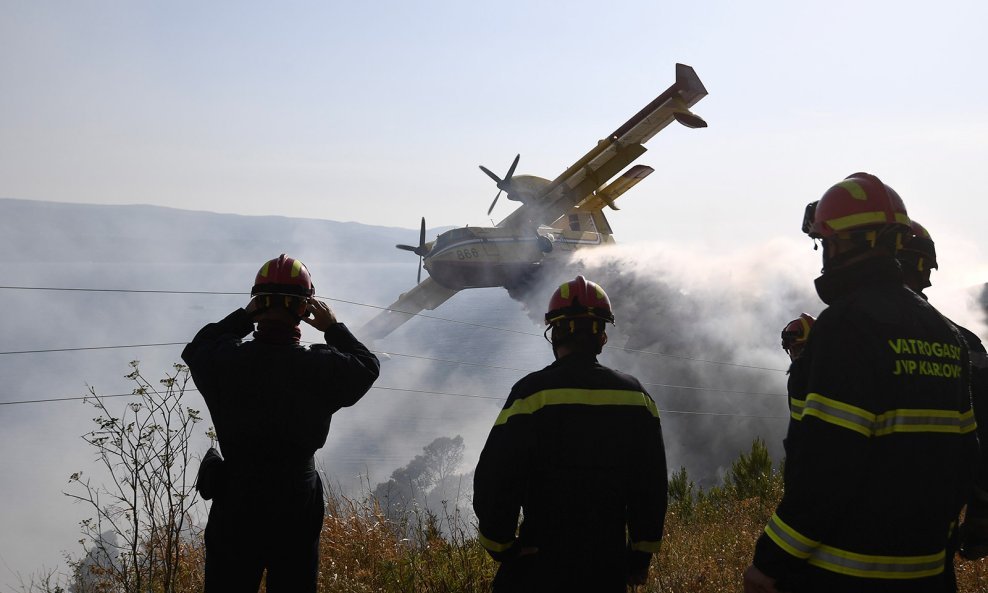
(626, 181)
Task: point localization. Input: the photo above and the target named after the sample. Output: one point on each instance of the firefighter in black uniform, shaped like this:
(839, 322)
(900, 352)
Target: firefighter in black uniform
(886, 449)
(271, 401)
(794, 337)
(578, 447)
(918, 258)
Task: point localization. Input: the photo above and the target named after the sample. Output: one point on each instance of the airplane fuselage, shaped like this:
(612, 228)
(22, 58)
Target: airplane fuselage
(476, 257)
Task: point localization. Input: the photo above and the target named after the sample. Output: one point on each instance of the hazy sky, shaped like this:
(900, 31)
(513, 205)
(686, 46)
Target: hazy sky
(380, 112)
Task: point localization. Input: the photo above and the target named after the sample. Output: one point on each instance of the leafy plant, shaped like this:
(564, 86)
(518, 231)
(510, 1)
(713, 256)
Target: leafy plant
(142, 523)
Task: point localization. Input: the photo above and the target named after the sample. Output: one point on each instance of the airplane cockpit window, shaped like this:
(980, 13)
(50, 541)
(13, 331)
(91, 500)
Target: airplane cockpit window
(454, 235)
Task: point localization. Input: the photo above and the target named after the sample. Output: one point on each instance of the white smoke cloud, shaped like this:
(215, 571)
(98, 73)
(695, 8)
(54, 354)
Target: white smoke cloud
(672, 299)
(723, 308)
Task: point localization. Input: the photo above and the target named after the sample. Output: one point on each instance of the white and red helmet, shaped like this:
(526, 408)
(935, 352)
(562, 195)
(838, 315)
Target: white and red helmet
(579, 299)
(283, 276)
(859, 202)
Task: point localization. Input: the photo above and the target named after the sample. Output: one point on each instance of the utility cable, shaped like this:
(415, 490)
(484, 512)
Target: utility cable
(664, 385)
(414, 356)
(124, 290)
(419, 391)
(423, 315)
(92, 348)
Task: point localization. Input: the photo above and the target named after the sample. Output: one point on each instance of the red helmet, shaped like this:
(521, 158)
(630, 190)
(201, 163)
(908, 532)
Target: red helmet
(919, 250)
(797, 331)
(283, 276)
(859, 202)
(579, 299)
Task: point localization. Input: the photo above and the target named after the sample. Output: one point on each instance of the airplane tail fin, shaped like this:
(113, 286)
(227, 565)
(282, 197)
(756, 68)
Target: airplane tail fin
(600, 221)
(688, 85)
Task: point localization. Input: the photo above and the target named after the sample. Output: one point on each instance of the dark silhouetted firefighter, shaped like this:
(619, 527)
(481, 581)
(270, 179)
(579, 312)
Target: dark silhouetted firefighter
(794, 337)
(918, 258)
(578, 449)
(271, 401)
(882, 446)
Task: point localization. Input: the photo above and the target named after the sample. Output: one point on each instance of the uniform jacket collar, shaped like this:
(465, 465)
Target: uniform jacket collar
(833, 285)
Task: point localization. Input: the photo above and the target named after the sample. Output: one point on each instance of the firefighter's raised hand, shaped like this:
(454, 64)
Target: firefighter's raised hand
(636, 577)
(319, 315)
(974, 529)
(253, 308)
(756, 581)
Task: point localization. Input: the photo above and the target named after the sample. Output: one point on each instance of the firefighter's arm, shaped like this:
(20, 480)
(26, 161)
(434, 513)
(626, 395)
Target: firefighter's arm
(234, 326)
(979, 399)
(500, 482)
(344, 366)
(974, 529)
(212, 341)
(649, 495)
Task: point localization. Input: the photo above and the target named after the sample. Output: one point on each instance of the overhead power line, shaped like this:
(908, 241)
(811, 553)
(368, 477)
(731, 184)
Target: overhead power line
(418, 391)
(414, 356)
(357, 303)
(123, 290)
(63, 399)
(46, 350)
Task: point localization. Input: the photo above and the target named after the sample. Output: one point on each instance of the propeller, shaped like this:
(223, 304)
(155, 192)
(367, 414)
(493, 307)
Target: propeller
(502, 184)
(420, 251)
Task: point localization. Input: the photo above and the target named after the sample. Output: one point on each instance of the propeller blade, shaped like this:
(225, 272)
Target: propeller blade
(418, 280)
(420, 250)
(502, 184)
(491, 174)
(511, 171)
(491, 209)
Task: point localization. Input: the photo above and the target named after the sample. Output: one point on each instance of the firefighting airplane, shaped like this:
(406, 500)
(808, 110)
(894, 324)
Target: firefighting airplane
(556, 217)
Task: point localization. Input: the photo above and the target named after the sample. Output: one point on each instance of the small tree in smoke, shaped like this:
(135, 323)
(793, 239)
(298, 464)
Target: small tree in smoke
(410, 484)
(681, 491)
(141, 518)
(751, 473)
(442, 458)
(89, 572)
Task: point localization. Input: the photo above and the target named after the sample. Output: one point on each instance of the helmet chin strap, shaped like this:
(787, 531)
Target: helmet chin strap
(268, 302)
(567, 334)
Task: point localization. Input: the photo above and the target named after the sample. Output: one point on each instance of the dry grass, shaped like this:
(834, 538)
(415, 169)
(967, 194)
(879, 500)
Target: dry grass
(363, 551)
(707, 545)
(972, 577)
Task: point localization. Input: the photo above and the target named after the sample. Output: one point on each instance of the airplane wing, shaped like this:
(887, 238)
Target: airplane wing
(428, 294)
(612, 154)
